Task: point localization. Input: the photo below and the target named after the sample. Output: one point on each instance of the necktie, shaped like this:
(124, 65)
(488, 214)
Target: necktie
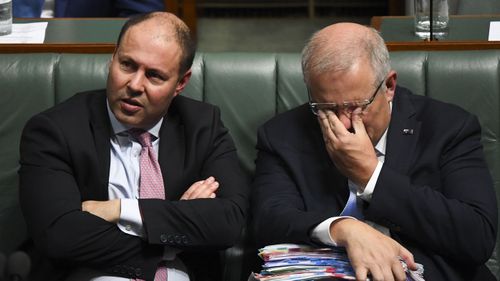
(354, 204)
(151, 180)
(353, 207)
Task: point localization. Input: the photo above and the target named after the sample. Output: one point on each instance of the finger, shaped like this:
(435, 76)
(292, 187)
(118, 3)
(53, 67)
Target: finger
(190, 190)
(376, 273)
(357, 122)
(361, 273)
(407, 257)
(398, 271)
(387, 273)
(338, 128)
(326, 129)
(204, 190)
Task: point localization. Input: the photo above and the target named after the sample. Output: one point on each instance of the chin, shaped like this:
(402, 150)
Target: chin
(128, 120)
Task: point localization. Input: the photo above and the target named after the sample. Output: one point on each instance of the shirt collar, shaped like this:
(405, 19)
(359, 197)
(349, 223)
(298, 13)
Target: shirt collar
(118, 127)
(382, 142)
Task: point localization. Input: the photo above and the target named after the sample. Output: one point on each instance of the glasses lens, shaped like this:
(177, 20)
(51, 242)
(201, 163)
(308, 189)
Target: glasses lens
(325, 107)
(349, 108)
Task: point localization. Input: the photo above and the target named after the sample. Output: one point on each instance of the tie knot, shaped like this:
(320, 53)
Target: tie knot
(143, 137)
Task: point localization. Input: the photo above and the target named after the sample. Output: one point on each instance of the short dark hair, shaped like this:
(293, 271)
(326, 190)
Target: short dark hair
(182, 36)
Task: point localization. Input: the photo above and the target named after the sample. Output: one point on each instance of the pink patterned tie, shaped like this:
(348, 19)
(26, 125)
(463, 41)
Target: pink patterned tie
(151, 180)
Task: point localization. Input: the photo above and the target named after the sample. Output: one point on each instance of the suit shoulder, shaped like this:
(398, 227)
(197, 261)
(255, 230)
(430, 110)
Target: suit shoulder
(193, 112)
(428, 107)
(300, 116)
(77, 103)
(72, 111)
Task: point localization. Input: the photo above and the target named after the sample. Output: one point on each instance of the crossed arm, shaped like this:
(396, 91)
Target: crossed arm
(110, 210)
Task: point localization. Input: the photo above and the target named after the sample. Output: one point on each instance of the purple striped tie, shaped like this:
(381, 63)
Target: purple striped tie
(151, 180)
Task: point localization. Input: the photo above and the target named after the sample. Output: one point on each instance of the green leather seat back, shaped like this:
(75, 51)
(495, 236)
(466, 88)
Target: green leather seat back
(80, 72)
(27, 84)
(244, 87)
(474, 7)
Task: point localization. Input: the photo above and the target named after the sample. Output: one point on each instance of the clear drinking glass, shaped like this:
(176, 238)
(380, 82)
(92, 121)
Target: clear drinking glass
(440, 18)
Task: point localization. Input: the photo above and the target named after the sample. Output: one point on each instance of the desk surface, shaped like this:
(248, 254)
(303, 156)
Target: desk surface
(72, 35)
(465, 33)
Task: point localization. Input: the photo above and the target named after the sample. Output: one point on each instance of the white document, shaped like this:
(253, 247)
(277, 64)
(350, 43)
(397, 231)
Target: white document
(494, 34)
(25, 33)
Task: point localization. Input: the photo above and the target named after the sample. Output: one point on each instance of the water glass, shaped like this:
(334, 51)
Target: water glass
(440, 18)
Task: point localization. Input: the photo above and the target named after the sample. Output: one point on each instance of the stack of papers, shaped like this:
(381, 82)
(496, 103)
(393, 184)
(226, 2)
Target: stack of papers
(288, 262)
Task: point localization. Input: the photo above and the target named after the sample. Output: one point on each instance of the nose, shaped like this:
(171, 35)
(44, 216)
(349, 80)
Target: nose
(136, 82)
(346, 120)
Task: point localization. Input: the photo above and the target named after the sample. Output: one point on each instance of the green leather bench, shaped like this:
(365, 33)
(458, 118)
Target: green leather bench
(249, 88)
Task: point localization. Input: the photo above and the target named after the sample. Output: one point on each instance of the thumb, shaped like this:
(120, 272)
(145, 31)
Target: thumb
(357, 122)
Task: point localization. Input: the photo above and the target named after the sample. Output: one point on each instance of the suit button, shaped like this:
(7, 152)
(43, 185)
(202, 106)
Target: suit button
(170, 239)
(131, 271)
(138, 272)
(163, 238)
(177, 239)
(184, 240)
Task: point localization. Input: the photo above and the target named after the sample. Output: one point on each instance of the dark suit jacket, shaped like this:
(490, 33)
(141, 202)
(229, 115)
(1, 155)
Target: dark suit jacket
(65, 156)
(434, 192)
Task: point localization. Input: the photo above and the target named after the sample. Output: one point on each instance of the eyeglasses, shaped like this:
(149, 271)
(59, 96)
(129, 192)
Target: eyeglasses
(346, 107)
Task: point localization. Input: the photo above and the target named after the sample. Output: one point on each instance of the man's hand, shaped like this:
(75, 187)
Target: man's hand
(201, 189)
(371, 251)
(352, 153)
(107, 210)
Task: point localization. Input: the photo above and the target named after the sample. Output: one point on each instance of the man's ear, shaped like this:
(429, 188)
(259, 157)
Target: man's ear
(390, 84)
(183, 82)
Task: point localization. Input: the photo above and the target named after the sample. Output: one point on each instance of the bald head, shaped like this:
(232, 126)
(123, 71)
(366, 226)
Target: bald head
(166, 27)
(340, 46)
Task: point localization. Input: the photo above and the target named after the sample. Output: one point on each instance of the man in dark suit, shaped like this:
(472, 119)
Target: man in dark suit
(411, 167)
(80, 176)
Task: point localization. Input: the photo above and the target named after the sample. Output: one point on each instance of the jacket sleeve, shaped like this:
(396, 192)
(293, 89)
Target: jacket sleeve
(280, 214)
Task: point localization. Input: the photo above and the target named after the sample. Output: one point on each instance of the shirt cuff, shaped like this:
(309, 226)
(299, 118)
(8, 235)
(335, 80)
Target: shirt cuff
(321, 233)
(366, 195)
(130, 218)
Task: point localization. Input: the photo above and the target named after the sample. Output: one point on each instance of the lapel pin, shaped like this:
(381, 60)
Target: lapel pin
(407, 131)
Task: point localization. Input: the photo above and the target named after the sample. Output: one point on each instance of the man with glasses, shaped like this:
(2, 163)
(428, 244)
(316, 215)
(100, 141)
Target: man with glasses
(367, 165)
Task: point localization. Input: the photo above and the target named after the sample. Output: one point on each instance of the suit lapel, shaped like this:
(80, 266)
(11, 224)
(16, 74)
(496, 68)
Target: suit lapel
(101, 131)
(171, 154)
(403, 133)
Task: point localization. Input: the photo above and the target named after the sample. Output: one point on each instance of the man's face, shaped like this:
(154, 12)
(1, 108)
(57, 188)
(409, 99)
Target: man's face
(357, 86)
(144, 76)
